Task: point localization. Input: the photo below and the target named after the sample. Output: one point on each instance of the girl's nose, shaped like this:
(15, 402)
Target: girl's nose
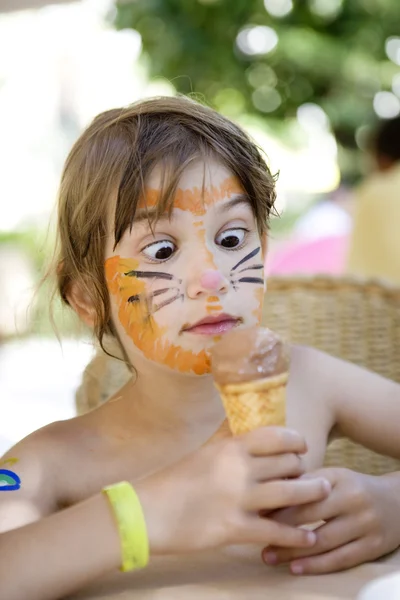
(211, 280)
(208, 281)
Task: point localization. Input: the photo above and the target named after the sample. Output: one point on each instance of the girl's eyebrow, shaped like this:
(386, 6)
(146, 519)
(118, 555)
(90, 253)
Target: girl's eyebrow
(236, 201)
(143, 214)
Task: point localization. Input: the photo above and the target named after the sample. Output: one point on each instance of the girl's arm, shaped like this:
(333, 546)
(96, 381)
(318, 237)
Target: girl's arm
(60, 553)
(45, 555)
(360, 516)
(211, 498)
(365, 406)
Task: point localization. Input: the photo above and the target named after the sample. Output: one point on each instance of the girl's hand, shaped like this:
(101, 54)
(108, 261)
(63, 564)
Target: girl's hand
(214, 496)
(361, 524)
(222, 432)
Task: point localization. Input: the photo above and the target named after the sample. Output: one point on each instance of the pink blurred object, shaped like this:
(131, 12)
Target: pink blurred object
(322, 255)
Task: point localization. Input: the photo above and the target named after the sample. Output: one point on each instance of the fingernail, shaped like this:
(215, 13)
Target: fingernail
(270, 558)
(311, 538)
(296, 569)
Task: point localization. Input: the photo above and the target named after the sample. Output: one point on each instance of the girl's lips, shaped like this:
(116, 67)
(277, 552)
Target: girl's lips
(213, 325)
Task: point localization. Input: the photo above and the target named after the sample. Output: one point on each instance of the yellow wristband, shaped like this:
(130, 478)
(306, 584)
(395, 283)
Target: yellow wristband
(131, 525)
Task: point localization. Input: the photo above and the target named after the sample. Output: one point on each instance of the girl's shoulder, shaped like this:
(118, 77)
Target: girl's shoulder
(43, 462)
(29, 475)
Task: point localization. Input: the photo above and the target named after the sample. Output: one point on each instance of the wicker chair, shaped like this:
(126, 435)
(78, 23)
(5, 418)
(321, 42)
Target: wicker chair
(354, 320)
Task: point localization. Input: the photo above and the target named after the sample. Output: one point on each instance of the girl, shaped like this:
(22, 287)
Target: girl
(163, 211)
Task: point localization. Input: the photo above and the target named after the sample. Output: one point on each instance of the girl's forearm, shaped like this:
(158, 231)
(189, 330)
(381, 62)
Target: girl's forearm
(61, 553)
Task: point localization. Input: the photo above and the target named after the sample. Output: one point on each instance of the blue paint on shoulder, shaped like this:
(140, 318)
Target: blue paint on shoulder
(9, 481)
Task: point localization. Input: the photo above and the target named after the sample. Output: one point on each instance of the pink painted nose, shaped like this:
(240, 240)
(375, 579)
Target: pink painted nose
(211, 280)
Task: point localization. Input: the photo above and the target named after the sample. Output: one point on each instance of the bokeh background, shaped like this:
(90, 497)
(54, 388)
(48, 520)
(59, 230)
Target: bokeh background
(307, 78)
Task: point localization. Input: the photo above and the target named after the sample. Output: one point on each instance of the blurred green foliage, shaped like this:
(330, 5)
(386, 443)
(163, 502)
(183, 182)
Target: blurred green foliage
(331, 52)
(45, 317)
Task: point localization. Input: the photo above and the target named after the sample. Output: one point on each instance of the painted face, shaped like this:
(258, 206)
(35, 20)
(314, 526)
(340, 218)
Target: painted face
(177, 288)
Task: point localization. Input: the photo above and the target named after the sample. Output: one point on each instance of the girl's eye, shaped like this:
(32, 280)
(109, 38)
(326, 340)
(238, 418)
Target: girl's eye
(160, 250)
(231, 238)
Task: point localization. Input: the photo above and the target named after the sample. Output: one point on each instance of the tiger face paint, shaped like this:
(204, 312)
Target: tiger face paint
(176, 289)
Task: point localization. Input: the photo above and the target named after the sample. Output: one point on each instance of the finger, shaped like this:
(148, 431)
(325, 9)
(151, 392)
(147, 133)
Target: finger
(277, 494)
(261, 531)
(276, 467)
(268, 441)
(332, 535)
(332, 474)
(328, 509)
(288, 516)
(345, 557)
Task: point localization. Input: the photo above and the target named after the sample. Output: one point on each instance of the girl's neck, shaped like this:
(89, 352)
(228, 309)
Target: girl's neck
(167, 400)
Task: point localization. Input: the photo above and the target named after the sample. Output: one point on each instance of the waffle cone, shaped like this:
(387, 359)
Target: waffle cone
(256, 403)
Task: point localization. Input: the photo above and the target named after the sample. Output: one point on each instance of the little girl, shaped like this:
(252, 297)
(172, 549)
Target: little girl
(163, 212)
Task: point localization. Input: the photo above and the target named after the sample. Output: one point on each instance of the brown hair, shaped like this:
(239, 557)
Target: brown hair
(108, 166)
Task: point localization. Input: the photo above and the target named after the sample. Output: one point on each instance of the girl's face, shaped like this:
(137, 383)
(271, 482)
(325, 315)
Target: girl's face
(177, 287)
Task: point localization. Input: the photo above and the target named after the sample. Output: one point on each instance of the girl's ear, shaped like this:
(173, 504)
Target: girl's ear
(82, 304)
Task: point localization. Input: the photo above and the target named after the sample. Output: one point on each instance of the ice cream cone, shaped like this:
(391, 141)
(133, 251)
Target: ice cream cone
(251, 370)
(253, 404)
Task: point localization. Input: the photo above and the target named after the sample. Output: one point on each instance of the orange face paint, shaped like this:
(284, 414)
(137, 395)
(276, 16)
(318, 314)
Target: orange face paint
(141, 327)
(214, 308)
(195, 199)
(213, 305)
(138, 297)
(209, 262)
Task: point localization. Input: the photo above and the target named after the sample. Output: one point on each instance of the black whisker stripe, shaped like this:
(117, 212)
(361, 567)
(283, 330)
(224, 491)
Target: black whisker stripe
(246, 258)
(159, 292)
(252, 268)
(135, 298)
(166, 302)
(150, 275)
(251, 280)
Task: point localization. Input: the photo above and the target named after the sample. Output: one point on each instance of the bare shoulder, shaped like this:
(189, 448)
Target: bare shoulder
(309, 390)
(311, 367)
(325, 379)
(316, 368)
(66, 462)
(340, 382)
(302, 355)
(363, 405)
(34, 473)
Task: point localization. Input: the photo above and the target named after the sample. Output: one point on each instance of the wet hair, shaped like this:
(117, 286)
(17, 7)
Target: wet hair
(105, 175)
